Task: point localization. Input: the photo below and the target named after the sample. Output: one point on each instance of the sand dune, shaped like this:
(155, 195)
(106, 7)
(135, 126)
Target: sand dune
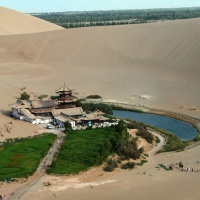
(159, 60)
(13, 22)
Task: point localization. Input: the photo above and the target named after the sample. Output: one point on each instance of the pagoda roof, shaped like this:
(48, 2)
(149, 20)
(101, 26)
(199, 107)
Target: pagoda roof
(64, 88)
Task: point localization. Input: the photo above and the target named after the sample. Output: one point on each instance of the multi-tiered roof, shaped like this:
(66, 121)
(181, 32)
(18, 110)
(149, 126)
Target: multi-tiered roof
(66, 98)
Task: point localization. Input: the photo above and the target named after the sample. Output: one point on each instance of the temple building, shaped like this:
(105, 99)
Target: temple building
(56, 111)
(65, 99)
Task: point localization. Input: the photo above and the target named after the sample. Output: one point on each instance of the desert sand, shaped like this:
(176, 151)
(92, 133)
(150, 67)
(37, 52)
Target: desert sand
(13, 22)
(155, 65)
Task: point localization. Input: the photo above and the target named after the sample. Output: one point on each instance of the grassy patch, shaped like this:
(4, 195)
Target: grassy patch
(124, 108)
(20, 157)
(164, 167)
(83, 149)
(197, 138)
(173, 142)
(142, 162)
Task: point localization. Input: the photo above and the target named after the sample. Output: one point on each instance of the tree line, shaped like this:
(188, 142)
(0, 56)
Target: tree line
(117, 17)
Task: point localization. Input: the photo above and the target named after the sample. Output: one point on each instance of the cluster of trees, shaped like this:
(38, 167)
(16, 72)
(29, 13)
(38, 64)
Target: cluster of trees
(97, 106)
(103, 23)
(103, 18)
(142, 130)
(124, 146)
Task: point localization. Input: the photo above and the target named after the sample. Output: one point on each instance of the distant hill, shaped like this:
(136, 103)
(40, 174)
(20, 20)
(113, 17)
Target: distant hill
(13, 22)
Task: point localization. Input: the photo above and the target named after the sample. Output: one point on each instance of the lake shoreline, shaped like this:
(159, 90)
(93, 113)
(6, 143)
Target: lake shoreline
(194, 122)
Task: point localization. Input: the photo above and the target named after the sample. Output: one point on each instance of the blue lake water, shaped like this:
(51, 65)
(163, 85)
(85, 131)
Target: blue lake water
(183, 130)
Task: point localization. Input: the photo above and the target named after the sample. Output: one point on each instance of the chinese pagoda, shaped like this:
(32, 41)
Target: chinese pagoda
(65, 99)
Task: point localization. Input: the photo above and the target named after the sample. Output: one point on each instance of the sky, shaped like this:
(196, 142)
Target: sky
(31, 6)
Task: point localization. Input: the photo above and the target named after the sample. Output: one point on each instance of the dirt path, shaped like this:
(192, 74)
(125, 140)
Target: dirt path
(22, 192)
(159, 146)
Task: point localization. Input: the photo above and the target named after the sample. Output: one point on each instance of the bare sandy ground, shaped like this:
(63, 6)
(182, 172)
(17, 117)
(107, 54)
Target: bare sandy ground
(156, 65)
(13, 22)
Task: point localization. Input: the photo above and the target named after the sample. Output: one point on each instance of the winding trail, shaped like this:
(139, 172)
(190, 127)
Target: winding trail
(159, 146)
(22, 192)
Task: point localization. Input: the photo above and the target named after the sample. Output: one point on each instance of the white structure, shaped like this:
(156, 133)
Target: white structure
(39, 112)
(27, 111)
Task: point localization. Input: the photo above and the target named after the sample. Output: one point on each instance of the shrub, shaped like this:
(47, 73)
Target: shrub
(111, 165)
(97, 106)
(142, 130)
(54, 97)
(94, 97)
(142, 162)
(24, 96)
(109, 168)
(128, 165)
(68, 127)
(42, 96)
(157, 140)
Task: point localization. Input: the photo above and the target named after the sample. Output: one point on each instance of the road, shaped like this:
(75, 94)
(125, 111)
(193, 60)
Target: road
(21, 192)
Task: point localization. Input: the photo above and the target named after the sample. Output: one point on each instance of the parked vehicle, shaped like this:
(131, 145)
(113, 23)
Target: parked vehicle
(49, 126)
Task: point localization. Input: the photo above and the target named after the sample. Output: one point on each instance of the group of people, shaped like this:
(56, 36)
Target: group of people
(186, 169)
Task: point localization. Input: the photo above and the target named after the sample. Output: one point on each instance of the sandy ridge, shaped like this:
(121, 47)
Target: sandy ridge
(13, 22)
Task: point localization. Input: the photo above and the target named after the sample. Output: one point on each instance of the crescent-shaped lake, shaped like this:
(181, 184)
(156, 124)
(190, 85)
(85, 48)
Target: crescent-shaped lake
(183, 130)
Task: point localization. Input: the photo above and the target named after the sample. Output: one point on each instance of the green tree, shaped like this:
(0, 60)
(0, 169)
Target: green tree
(68, 127)
(24, 96)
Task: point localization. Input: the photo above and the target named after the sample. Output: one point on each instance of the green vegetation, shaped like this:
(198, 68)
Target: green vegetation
(111, 165)
(86, 148)
(128, 165)
(94, 97)
(197, 138)
(24, 96)
(173, 143)
(54, 97)
(68, 127)
(97, 106)
(142, 130)
(90, 107)
(157, 140)
(20, 157)
(117, 17)
(43, 96)
(142, 162)
(114, 107)
(164, 167)
(83, 149)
